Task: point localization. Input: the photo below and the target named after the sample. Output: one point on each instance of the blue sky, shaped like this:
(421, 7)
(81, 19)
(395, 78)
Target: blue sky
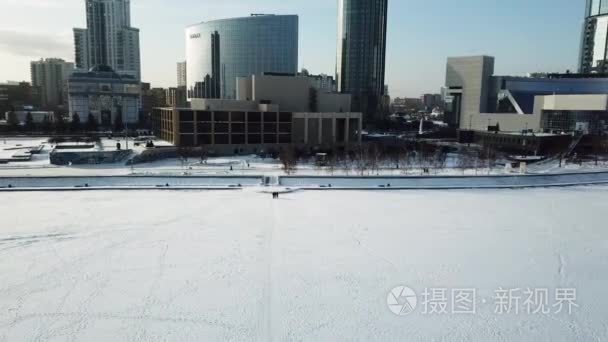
(524, 35)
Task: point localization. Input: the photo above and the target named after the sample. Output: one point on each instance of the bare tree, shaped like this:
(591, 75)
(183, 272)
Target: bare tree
(395, 158)
(491, 157)
(440, 159)
(406, 160)
(374, 156)
(464, 161)
(361, 161)
(332, 163)
(346, 163)
(288, 160)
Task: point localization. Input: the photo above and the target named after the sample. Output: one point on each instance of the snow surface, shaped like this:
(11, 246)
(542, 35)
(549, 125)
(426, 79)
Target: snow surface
(312, 266)
(246, 165)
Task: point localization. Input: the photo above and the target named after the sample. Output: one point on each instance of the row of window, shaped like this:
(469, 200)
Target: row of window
(597, 7)
(208, 127)
(188, 115)
(234, 139)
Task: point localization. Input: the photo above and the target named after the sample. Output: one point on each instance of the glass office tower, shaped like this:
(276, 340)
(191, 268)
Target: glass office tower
(361, 52)
(217, 52)
(593, 54)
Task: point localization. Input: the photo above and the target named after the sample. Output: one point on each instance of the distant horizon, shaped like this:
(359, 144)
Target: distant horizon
(421, 35)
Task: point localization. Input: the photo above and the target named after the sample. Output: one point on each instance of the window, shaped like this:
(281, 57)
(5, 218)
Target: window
(203, 127)
(222, 139)
(186, 115)
(254, 139)
(203, 116)
(238, 128)
(238, 139)
(270, 117)
(186, 127)
(222, 117)
(595, 7)
(254, 117)
(238, 116)
(204, 139)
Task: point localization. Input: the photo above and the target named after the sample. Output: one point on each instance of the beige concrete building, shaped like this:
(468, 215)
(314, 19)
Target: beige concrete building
(291, 93)
(270, 112)
(228, 126)
(481, 101)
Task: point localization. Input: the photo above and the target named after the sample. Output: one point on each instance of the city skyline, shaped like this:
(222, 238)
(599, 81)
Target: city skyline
(420, 35)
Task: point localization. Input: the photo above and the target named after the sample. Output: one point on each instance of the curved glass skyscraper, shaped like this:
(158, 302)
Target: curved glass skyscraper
(594, 43)
(361, 52)
(217, 52)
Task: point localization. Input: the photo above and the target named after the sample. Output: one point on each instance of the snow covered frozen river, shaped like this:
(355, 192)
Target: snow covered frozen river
(312, 266)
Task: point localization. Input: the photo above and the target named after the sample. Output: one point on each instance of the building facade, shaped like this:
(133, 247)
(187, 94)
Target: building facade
(182, 71)
(322, 82)
(431, 101)
(557, 103)
(109, 38)
(176, 97)
(362, 52)
(220, 51)
(18, 95)
(227, 129)
(291, 93)
(270, 111)
(106, 95)
(51, 76)
(593, 53)
(38, 117)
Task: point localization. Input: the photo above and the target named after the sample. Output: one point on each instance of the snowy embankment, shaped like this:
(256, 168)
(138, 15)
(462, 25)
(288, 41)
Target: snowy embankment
(15, 183)
(304, 182)
(312, 266)
(447, 182)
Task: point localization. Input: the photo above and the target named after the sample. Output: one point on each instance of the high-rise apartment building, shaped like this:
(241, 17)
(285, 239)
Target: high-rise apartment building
(109, 38)
(361, 52)
(51, 76)
(182, 70)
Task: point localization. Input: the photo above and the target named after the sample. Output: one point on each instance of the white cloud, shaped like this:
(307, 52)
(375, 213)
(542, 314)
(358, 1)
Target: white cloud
(35, 45)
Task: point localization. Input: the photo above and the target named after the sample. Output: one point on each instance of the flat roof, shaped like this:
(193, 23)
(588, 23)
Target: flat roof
(252, 16)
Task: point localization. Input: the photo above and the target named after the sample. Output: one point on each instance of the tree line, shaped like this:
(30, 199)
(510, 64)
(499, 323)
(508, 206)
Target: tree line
(58, 123)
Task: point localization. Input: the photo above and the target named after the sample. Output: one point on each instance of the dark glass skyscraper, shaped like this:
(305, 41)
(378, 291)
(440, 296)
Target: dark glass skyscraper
(361, 52)
(594, 42)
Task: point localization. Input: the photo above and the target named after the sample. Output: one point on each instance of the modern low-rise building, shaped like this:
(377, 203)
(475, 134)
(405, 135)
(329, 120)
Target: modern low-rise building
(271, 111)
(104, 94)
(229, 126)
(556, 103)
